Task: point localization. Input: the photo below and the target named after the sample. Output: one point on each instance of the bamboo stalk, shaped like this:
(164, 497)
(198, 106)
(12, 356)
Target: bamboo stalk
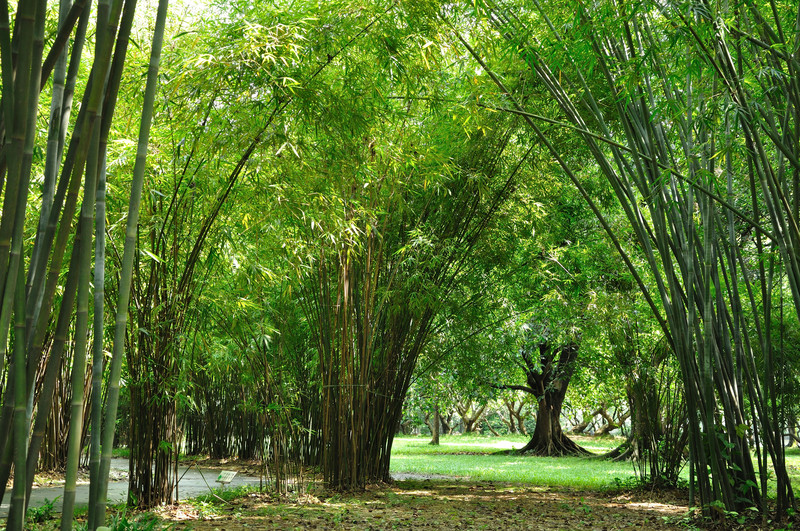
(43, 243)
(97, 336)
(81, 329)
(31, 16)
(16, 512)
(98, 505)
(55, 140)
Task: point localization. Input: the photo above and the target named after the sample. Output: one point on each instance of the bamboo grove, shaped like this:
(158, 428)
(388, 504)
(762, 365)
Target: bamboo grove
(319, 188)
(682, 153)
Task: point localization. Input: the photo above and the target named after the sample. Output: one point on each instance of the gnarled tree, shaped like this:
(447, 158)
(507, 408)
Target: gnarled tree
(548, 366)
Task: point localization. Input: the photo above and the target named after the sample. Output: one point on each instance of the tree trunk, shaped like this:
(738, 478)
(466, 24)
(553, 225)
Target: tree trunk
(548, 438)
(435, 426)
(516, 420)
(611, 424)
(447, 423)
(548, 380)
(469, 417)
(587, 419)
(634, 445)
(792, 432)
(510, 424)
(404, 427)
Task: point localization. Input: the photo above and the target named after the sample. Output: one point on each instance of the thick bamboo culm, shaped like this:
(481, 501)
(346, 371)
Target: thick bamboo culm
(364, 304)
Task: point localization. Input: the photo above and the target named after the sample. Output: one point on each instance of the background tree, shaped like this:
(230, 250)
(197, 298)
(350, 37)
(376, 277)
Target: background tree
(548, 367)
(556, 278)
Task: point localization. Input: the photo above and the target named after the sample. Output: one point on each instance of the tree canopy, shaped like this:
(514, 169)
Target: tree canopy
(305, 223)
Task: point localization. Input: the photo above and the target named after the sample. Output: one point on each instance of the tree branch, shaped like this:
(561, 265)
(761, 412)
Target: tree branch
(514, 388)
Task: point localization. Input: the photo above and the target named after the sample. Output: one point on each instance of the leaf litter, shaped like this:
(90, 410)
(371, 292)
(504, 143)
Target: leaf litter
(440, 505)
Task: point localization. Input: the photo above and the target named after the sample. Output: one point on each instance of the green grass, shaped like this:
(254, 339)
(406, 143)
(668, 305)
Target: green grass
(792, 466)
(124, 453)
(476, 459)
(452, 444)
(456, 444)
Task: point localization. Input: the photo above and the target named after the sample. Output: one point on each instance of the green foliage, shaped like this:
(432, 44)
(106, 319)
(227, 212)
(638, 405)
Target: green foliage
(43, 513)
(337, 199)
(122, 521)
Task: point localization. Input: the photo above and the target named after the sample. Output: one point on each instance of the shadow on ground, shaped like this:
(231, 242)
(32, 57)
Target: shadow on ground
(442, 504)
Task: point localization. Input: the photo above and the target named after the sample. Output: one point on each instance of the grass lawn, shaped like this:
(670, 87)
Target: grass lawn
(477, 459)
(792, 467)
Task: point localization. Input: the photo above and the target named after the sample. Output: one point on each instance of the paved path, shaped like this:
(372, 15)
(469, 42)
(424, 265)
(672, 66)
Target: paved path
(193, 482)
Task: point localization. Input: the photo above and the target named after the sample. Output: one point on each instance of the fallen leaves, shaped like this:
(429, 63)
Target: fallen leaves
(443, 505)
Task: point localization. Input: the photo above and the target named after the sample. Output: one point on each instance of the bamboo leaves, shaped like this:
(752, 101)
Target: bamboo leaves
(388, 243)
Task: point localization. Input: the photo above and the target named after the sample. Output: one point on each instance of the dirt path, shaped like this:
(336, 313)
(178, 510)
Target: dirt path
(439, 504)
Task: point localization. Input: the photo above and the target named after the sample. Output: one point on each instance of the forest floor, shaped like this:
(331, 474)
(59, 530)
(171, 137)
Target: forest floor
(419, 501)
(439, 505)
(462, 484)
(429, 499)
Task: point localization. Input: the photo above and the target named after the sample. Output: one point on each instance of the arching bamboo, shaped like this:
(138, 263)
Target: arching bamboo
(694, 267)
